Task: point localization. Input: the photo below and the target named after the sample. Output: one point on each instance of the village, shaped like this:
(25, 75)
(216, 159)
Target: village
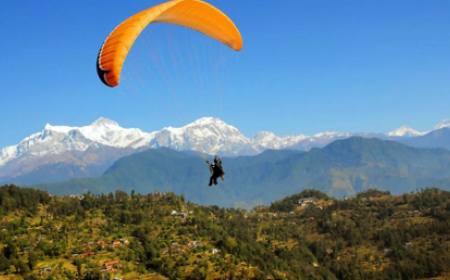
(106, 254)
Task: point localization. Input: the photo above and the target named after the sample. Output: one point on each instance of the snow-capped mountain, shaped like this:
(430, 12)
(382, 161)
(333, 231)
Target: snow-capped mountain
(54, 140)
(102, 142)
(442, 124)
(265, 140)
(109, 133)
(89, 150)
(405, 131)
(214, 136)
(320, 140)
(207, 135)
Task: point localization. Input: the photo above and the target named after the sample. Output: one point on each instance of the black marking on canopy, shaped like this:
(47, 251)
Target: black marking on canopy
(100, 72)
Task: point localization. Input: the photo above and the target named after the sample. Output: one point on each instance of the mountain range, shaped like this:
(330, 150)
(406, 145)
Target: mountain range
(342, 168)
(59, 153)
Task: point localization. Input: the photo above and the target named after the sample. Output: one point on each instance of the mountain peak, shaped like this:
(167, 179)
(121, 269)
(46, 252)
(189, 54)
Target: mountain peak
(206, 135)
(443, 124)
(209, 135)
(207, 121)
(332, 134)
(57, 128)
(405, 131)
(102, 121)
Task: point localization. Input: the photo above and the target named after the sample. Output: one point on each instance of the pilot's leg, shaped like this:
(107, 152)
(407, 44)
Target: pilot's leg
(211, 180)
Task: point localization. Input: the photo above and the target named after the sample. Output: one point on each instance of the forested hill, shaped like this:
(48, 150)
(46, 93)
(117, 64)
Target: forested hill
(342, 168)
(161, 236)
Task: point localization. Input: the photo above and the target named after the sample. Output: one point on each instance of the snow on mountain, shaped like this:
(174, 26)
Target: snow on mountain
(319, 140)
(7, 153)
(405, 131)
(264, 140)
(329, 135)
(442, 124)
(74, 152)
(46, 142)
(109, 133)
(53, 140)
(207, 135)
(213, 136)
(106, 132)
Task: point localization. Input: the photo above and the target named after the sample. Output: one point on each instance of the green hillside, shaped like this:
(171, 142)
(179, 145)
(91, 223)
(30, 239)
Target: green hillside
(342, 168)
(162, 236)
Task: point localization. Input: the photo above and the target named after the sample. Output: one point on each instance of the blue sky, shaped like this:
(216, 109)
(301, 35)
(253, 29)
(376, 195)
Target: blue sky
(306, 66)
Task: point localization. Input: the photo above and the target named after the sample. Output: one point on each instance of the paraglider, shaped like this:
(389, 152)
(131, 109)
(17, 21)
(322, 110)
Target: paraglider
(216, 171)
(194, 14)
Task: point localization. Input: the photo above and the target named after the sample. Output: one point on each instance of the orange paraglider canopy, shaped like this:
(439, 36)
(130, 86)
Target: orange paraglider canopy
(194, 14)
